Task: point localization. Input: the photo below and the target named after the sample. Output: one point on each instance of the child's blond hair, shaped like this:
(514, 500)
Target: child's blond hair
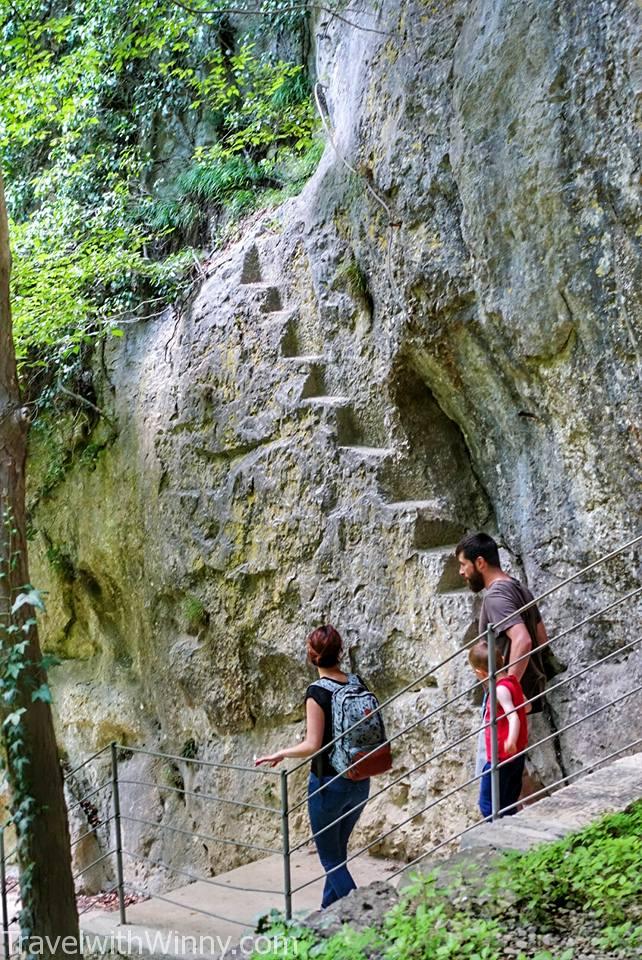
(478, 656)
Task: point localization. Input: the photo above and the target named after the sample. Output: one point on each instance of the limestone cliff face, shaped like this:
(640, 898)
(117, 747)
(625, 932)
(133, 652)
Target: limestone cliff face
(357, 381)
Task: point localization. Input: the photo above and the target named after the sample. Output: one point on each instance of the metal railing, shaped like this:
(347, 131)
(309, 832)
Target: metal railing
(115, 823)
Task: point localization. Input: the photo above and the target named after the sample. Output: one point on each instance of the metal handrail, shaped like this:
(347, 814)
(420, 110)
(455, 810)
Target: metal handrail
(92, 906)
(576, 773)
(449, 746)
(569, 726)
(466, 646)
(70, 773)
(397, 826)
(88, 796)
(471, 780)
(382, 706)
(574, 676)
(201, 763)
(93, 864)
(474, 686)
(89, 833)
(564, 583)
(286, 810)
(467, 736)
(201, 836)
(201, 796)
(575, 626)
(593, 616)
(186, 906)
(390, 740)
(192, 876)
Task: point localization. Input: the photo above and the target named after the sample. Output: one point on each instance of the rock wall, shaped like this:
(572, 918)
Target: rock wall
(444, 340)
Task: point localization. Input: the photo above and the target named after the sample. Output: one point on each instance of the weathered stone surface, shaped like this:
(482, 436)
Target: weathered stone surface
(294, 446)
(612, 788)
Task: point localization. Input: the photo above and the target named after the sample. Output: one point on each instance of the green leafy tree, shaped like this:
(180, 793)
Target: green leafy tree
(89, 90)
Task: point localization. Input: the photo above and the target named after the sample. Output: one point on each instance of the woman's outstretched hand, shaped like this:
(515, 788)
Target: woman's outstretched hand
(272, 760)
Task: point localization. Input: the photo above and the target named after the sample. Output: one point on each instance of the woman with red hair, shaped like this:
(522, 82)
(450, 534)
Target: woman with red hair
(330, 795)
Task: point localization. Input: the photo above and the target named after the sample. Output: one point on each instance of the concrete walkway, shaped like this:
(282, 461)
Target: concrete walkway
(609, 789)
(156, 927)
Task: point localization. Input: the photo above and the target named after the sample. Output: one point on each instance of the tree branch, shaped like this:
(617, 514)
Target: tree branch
(87, 403)
(297, 8)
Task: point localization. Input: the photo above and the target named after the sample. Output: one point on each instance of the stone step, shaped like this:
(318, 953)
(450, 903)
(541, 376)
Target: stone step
(439, 551)
(433, 527)
(315, 386)
(268, 295)
(251, 270)
(325, 402)
(282, 316)
(443, 566)
(305, 358)
(368, 453)
(411, 506)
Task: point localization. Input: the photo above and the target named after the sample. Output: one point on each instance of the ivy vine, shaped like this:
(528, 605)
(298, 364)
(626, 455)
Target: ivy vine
(22, 681)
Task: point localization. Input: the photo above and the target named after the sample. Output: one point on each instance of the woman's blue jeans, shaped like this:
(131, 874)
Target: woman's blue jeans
(333, 801)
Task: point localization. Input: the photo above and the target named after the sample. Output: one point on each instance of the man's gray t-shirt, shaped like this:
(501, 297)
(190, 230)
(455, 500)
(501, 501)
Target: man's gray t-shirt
(501, 600)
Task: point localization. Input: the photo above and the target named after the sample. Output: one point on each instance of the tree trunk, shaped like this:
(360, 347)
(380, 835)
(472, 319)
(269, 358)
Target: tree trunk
(49, 903)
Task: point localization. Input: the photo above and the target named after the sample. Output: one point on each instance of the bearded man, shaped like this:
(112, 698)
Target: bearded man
(519, 640)
(522, 633)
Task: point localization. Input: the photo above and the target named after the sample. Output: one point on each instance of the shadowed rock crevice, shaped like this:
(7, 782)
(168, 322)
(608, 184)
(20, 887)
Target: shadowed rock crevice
(436, 463)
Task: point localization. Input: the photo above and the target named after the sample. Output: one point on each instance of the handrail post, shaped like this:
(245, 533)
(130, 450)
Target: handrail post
(285, 831)
(117, 833)
(492, 702)
(6, 945)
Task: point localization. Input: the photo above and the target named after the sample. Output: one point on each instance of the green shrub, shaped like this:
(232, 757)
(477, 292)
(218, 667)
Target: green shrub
(598, 869)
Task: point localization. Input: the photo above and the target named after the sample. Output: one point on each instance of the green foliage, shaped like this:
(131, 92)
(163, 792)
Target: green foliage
(189, 749)
(621, 936)
(599, 870)
(431, 928)
(23, 682)
(61, 562)
(420, 925)
(194, 613)
(354, 278)
(91, 94)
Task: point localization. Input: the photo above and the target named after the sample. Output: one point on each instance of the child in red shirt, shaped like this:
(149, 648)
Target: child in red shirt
(512, 733)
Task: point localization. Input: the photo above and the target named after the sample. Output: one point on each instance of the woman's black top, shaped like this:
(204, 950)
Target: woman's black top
(321, 765)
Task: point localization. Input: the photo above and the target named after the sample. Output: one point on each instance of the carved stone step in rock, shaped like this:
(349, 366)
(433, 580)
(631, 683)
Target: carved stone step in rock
(367, 453)
(439, 551)
(251, 270)
(282, 316)
(314, 386)
(432, 529)
(442, 565)
(268, 297)
(290, 346)
(325, 402)
(460, 593)
(305, 359)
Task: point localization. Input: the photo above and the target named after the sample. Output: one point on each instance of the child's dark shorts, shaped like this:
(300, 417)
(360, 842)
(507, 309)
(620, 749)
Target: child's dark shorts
(510, 786)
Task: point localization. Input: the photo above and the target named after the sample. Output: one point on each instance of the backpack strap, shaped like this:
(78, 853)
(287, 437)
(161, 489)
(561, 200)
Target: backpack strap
(330, 685)
(333, 685)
